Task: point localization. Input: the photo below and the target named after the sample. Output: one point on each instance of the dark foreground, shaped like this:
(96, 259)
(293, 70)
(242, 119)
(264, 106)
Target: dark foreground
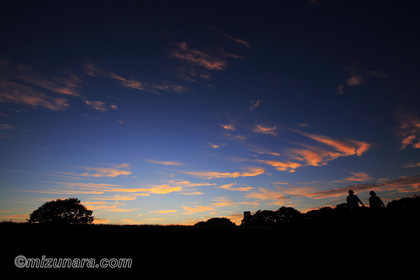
(173, 250)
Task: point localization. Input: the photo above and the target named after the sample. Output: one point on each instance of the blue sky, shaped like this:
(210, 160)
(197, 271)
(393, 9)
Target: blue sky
(173, 112)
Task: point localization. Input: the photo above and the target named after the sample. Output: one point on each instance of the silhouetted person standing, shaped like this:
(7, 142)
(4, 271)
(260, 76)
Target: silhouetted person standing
(376, 206)
(353, 203)
(375, 202)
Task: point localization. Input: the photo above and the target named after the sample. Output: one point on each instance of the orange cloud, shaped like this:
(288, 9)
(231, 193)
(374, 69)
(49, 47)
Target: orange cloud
(12, 92)
(282, 166)
(164, 189)
(97, 105)
(254, 104)
(254, 171)
(195, 57)
(92, 70)
(164, 211)
(354, 81)
(358, 177)
(22, 85)
(315, 156)
(404, 184)
(196, 209)
(259, 128)
(267, 194)
(214, 146)
(173, 163)
(409, 128)
(228, 127)
(234, 39)
(231, 188)
(107, 171)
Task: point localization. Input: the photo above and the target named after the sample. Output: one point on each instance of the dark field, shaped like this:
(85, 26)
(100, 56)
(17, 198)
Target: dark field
(178, 249)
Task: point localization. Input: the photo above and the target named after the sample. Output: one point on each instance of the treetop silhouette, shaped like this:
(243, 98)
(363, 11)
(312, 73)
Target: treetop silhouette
(62, 211)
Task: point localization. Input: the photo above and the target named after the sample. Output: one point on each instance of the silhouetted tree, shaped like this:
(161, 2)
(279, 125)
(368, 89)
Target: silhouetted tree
(405, 209)
(67, 211)
(283, 216)
(287, 216)
(216, 222)
(263, 217)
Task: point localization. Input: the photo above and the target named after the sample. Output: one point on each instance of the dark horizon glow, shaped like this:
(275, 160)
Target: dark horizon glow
(173, 112)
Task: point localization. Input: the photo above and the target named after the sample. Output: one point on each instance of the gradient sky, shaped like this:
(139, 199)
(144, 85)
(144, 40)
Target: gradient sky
(172, 112)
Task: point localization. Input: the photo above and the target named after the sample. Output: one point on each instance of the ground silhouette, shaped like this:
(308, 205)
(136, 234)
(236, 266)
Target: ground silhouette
(286, 238)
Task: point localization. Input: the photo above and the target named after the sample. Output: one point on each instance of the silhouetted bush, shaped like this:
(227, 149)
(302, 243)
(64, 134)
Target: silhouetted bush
(404, 209)
(67, 211)
(283, 216)
(216, 222)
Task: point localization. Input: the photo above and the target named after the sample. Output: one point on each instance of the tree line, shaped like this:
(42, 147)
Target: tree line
(404, 210)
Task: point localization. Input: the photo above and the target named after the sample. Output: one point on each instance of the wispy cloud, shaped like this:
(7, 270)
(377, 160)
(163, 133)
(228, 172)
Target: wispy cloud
(232, 38)
(196, 209)
(164, 189)
(358, 177)
(172, 163)
(238, 40)
(270, 130)
(113, 171)
(215, 146)
(91, 69)
(198, 63)
(279, 195)
(228, 127)
(22, 85)
(163, 211)
(231, 187)
(317, 155)
(253, 171)
(403, 184)
(197, 58)
(170, 186)
(97, 105)
(254, 104)
(409, 128)
(354, 81)
(409, 165)
(282, 166)
(359, 77)
(261, 151)
(12, 92)
(343, 147)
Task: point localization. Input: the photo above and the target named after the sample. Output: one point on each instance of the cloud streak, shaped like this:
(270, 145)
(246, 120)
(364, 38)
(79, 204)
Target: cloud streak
(278, 196)
(195, 57)
(113, 171)
(252, 172)
(21, 84)
(315, 155)
(171, 163)
(92, 70)
(261, 129)
(409, 128)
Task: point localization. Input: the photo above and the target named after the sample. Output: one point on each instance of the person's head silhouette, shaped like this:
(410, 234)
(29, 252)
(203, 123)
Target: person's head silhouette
(351, 192)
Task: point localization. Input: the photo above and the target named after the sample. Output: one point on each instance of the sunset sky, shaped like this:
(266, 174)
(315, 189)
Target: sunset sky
(173, 112)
